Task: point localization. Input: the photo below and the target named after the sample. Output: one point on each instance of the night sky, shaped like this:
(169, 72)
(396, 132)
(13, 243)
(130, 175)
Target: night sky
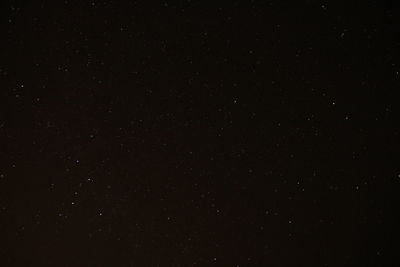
(249, 133)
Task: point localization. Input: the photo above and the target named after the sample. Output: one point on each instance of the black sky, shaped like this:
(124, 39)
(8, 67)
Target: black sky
(255, 133)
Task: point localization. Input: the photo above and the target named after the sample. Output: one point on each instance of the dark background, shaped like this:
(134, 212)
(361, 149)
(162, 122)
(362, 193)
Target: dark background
(241, 134)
